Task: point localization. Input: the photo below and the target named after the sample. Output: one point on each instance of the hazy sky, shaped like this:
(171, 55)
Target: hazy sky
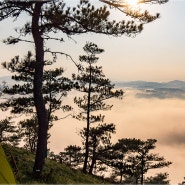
(157, 54)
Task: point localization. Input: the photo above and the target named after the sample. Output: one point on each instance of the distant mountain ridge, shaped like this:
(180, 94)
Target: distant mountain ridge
(175, 84)
(172, 89)
(178, 84)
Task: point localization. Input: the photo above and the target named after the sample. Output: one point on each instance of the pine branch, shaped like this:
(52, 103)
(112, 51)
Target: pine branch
(14, 40)
(67, 56)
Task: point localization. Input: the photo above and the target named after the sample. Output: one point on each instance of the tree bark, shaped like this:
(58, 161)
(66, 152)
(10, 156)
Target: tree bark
(121, 178)
(93, 162)
(142, 169)
(38, 96)
(88, 125)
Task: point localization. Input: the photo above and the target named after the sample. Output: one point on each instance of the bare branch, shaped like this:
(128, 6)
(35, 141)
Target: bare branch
(65, 117)
(14, 40)
(67, 56)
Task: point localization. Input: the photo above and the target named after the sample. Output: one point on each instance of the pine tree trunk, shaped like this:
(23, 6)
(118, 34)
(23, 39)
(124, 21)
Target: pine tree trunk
(88, 126)
(142, 169)
(86, 149)
(38, 96)
(121, 178)
(93, 162)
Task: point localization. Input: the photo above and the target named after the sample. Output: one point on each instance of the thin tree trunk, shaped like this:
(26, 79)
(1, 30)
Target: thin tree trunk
(38, 96)
(136, 180)
(93, 162)
(121, 178)
(88, 126)
(142, 169)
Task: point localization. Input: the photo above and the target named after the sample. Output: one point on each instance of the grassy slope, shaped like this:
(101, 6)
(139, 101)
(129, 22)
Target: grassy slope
(22, 163)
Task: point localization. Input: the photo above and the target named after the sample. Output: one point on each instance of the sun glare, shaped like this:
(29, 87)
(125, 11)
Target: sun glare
(132, 2)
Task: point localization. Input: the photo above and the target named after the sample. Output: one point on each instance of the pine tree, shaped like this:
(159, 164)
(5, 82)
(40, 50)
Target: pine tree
(72, 156)
(29, 130)
(96, 89)
(134, 159)
(159, 178)
(21, 101)
(9, 133)
(99, 142)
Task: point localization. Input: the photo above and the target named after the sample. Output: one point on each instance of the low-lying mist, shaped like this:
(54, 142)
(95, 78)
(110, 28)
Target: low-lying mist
(137, 117)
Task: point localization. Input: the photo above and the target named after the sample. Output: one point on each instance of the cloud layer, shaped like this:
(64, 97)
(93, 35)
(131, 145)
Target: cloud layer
(162, 119)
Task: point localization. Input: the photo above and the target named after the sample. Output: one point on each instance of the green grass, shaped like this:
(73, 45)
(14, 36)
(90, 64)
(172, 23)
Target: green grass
(22, 162)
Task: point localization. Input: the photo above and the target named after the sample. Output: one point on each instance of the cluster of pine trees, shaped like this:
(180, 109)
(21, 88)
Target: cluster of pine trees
(39, 92)
(128, 159)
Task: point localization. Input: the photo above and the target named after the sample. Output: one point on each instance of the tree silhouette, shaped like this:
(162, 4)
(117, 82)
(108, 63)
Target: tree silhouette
(51, 16)
(159, 178)
(72, 156)
(9, 133)
(131, 159)
(20, 96)
(99, 141)
(29, 130)
(147, 160)
(96, 89)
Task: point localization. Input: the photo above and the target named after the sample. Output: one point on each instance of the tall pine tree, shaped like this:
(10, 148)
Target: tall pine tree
(96, 89)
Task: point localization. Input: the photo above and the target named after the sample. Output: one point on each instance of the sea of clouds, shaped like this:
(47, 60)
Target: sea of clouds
(138, 117)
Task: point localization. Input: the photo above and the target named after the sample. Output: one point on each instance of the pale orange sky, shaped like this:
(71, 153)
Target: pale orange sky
(157, 54)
